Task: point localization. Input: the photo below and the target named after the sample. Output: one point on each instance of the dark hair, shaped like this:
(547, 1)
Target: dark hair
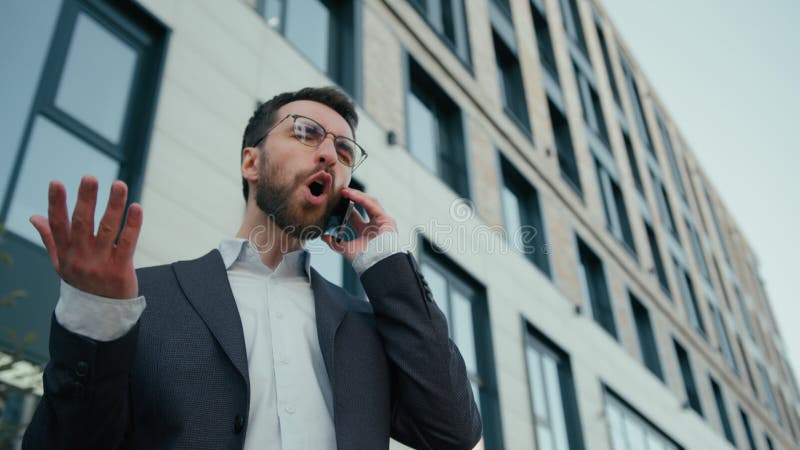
(264, 116)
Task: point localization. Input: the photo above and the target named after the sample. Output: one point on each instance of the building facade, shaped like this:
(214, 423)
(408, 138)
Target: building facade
(593, 279)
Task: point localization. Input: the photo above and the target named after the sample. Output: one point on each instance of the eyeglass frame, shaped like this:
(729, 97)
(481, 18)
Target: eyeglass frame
(325, 136)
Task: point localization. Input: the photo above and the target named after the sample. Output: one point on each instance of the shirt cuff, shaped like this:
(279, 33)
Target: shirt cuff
(381, 246)
(99, 318)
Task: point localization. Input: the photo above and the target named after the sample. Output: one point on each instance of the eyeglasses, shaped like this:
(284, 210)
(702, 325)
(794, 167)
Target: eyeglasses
(309, 132)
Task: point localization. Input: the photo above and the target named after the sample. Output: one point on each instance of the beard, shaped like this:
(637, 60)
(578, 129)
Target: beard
(297, 219)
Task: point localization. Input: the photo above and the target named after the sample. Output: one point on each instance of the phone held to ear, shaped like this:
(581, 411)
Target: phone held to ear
(340, 216)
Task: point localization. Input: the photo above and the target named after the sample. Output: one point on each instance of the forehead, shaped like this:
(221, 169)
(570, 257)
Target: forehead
(323, 114)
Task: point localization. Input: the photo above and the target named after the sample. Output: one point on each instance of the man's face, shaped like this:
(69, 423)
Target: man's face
(289, 169)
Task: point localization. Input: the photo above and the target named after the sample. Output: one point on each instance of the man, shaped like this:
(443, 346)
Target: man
(248, 347)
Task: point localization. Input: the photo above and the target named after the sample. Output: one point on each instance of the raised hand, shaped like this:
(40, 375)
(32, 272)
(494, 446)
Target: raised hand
(89, 262)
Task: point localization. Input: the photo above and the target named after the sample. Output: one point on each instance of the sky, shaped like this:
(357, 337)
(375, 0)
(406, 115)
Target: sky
(727, 71)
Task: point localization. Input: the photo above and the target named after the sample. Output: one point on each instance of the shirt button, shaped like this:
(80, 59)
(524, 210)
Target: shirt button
(81, 369)
(290, 409)
(238, 423)
(279, 315)
(284, 360)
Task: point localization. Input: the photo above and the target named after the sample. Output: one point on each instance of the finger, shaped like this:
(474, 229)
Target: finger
(83, 215)
(370, 203)
(43, 227)
(57, 217)
(112, 218)
(130, 233)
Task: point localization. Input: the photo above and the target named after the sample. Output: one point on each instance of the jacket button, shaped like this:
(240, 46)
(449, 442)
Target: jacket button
(238, 423)
(81, 369)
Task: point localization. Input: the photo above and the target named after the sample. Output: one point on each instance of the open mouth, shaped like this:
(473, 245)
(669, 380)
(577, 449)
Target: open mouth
(316, 188)
(320, 184)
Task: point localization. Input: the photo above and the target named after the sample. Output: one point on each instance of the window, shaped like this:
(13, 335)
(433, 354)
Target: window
(607, 60)
(768, 441)
(771, 402)
(673, 162)
(547, 56)
(333, 266)
(689, 300)
(564, 149)
(511, 89)
(614, 205)
(80, 93)
(572, 23)
(647, 338)
(722, 411)
(698, 251)
(715, 219)
(324, 31)
(555, 408)
(435, 132)
(747, 366)
(463, 302)
(638, 110)
(595, 291)
(523, 214)
(722, 337)
(592, 110)
(692, 396)
(748, 325)
(658, 263)
(747, 431)
(629, 430)
(448, 19)
(634, 162)
(663, 205)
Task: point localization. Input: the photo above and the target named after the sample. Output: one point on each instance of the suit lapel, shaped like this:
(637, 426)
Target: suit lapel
(330, 311)
(205, 283)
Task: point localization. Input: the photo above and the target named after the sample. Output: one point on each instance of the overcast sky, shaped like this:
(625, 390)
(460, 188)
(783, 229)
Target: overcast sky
(728, 71)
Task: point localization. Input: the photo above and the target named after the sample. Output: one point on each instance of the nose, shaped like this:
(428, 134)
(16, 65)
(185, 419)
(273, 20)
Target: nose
(326, 151)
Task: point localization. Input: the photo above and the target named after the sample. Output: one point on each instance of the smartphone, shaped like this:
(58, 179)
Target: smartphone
(340, 216)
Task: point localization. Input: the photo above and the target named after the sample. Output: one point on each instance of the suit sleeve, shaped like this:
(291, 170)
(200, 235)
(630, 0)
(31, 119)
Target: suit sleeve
(86, 402)
(432, 402)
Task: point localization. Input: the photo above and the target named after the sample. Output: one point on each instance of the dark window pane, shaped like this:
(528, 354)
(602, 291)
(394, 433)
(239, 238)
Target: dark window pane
(634, 162)
(434, 130)
(308, 25)
(555, 410)
(523, 217)
(595, 290)
(722, 411)
(97, 78)
(747, 431)
(511, 88)
(658, 262)
(690, 300)
(33, 24)
(607, 60)
(67, 159)
(647, 337)
(689, 385)
(564, 149)
(545, 43)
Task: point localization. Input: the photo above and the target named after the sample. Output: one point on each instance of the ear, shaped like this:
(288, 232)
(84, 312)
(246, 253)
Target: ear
(250, 163)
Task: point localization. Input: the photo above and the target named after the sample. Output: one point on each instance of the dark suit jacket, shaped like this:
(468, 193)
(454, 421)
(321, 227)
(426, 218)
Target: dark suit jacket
(179, 378)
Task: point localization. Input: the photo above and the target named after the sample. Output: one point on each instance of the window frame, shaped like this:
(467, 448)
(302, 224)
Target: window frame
(149, 38)
(489, 403)
(453, 162)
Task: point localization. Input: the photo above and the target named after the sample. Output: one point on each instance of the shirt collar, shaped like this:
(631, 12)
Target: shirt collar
(295, 263)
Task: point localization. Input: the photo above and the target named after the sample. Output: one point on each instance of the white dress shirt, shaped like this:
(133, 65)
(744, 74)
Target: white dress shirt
(291, 399)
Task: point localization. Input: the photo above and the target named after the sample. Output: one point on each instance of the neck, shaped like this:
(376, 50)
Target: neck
(272, 243)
